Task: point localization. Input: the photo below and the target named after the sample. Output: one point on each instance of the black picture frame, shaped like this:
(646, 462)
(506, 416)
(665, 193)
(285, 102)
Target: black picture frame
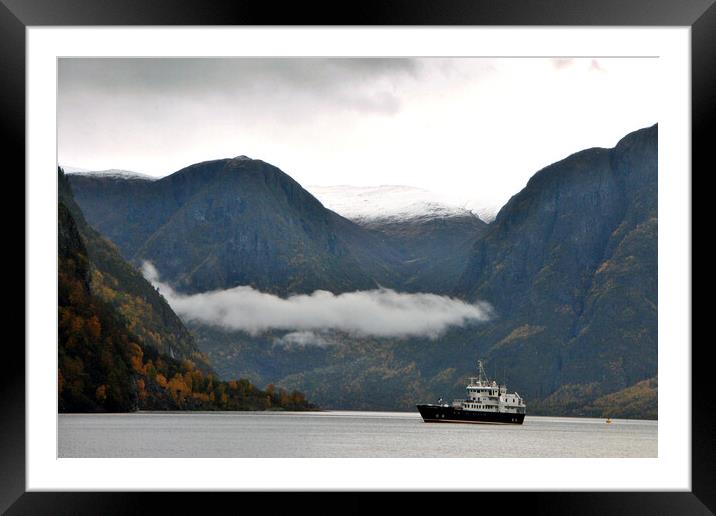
(16, 15)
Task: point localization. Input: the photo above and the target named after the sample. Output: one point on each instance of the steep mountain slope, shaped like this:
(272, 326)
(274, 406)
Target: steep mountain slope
(433, 251)
(83, 321)
(108, 362)
(233, 222)
(570, 265)
(433, 235)
(115, 282)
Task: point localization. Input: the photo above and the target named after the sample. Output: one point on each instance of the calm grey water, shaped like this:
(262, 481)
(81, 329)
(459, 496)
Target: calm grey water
(345, 434)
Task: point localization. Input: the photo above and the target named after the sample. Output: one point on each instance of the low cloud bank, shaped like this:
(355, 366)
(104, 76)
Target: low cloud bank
(378, 313)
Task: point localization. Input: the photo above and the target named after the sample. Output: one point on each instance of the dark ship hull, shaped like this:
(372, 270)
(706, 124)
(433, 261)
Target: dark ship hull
(443, 414)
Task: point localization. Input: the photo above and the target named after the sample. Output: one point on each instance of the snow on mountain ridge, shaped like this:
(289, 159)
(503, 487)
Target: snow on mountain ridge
(73, 170)
(385, 203)
(112, 172)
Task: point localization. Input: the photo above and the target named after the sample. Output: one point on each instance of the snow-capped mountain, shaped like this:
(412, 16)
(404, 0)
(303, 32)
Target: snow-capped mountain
(369, 204)
(113, 173)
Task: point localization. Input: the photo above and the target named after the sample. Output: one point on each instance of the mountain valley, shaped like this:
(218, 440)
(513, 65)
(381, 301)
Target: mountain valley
(569, 265)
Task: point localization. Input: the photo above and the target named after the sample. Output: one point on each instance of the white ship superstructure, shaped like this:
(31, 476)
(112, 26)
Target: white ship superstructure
(485, 395)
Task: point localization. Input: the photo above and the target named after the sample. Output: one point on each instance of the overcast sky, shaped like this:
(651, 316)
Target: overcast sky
(475, 129)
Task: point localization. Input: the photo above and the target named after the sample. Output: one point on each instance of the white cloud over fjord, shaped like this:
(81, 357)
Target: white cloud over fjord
(378, 313)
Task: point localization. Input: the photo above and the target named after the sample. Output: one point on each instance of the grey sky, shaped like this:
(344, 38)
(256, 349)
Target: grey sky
(472, 128)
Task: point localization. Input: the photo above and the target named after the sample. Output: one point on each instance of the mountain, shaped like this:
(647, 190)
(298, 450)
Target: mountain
(432, 235)
(388, 203)
(123, 287)
(433, 251)
(570, 266)
(230, 222)
(112, 360)
(77, 390)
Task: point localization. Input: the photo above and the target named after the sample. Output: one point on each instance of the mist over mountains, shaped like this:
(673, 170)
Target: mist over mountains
(379, 312)
(568, 267)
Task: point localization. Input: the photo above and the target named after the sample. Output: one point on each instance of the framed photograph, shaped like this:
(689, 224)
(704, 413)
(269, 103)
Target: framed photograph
(310, 251)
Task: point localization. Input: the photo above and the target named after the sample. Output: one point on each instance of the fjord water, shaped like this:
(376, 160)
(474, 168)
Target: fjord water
(344, 434)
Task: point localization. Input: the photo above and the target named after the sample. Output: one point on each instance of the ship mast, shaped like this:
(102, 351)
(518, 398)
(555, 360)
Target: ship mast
(482, 376)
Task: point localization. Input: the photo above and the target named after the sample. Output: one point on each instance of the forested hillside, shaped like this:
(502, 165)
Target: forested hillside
(104, 363)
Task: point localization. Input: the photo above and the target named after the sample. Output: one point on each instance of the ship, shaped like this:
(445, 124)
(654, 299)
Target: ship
(486, 402)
